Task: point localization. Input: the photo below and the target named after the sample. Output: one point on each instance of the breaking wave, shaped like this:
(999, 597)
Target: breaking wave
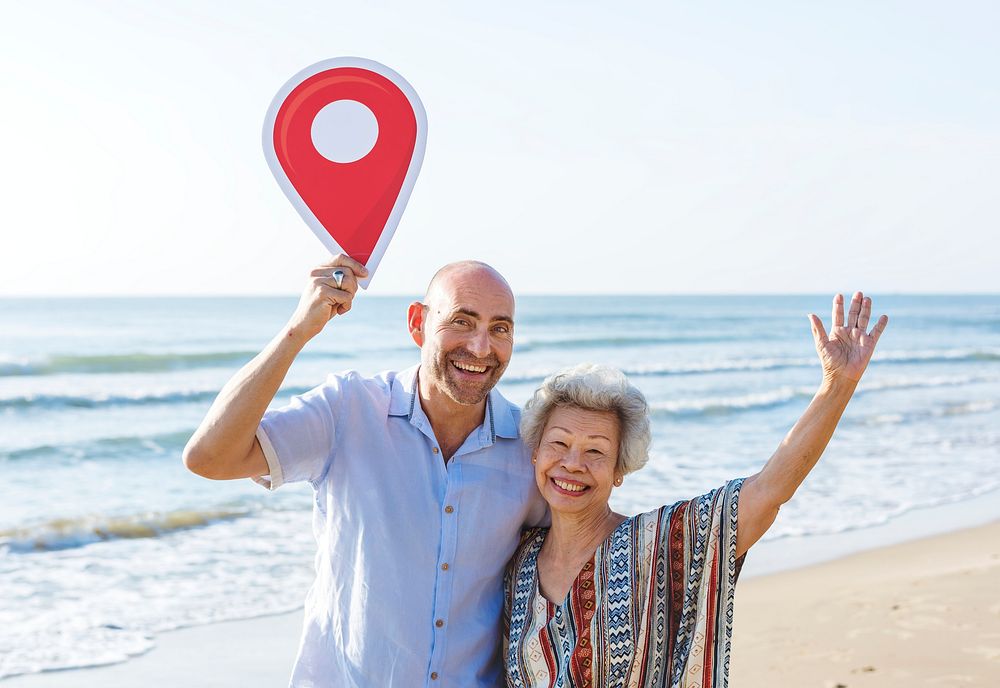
(65, 533)
(136, 362)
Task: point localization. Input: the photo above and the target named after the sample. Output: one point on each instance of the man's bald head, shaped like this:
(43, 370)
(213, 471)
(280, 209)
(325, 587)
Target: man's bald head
(465, 331)
(466, 271)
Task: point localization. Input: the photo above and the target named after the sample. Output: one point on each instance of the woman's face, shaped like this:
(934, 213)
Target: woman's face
(576, 458)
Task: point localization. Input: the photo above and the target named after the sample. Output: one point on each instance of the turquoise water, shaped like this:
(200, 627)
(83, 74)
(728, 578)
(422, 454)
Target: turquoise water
(105, 540)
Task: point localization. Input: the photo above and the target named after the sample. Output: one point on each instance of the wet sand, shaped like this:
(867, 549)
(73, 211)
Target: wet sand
(921, 613)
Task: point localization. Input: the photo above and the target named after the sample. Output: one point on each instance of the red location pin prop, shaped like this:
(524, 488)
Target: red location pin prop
(345, 139)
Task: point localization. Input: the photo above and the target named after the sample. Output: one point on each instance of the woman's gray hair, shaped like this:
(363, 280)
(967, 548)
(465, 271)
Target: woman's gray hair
(594, 388)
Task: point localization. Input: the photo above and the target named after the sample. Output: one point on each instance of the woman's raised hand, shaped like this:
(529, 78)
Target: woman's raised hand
(846, 350)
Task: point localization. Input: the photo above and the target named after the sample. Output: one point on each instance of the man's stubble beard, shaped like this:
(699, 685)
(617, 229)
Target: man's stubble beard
(466, 394)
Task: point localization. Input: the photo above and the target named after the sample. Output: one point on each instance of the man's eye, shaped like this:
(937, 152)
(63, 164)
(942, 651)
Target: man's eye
(461, 321)
(501, 329)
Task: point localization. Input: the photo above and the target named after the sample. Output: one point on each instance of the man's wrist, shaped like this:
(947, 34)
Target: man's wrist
(290, 341)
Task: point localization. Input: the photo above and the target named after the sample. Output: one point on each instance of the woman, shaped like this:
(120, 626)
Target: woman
(600, 599)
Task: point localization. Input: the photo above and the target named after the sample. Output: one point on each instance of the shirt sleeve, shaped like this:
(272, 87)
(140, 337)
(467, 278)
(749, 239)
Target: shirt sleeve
(701, 541)
(299, 439)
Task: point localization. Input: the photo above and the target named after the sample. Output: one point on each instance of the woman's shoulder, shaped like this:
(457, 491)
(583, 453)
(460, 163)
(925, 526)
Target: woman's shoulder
(730, 488)
(653, 516)
(530, 538)
(527, 550)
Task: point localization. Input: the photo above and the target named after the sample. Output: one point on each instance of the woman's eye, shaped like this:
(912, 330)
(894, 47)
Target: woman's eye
(559, 443)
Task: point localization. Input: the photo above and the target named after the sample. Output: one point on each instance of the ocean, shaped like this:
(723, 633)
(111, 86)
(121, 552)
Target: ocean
(106, 540)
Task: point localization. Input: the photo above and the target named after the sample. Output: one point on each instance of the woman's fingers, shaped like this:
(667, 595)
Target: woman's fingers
(852, 315)
(866, 313)
(838, 310)
(819, 332)
(878, 329)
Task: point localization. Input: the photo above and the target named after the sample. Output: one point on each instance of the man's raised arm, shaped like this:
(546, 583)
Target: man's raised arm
(225, 445)
(845, 354)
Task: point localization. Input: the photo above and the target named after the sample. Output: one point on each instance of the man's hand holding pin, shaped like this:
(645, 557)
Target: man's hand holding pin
(329, 293)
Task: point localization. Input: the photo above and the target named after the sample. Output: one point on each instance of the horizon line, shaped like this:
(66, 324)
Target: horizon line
(525, 293)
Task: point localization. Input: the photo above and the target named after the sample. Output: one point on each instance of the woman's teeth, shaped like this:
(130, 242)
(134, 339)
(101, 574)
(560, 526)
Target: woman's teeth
(569, 487)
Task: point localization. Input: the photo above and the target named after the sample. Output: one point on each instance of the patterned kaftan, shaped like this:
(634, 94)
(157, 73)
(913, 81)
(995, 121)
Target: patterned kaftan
(653, 607)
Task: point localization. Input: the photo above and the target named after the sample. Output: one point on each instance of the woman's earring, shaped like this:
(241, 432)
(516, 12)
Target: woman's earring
(618, 482)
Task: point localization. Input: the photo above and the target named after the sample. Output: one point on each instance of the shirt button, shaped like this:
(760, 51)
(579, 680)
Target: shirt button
(435, 450)
(434, 675)
(444, 567)
(449, 509)
(439, 623)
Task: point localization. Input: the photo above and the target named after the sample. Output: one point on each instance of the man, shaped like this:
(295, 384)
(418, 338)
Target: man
(422, 484)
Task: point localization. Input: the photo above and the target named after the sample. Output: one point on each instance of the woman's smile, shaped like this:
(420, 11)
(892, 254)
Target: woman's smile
(569, 487)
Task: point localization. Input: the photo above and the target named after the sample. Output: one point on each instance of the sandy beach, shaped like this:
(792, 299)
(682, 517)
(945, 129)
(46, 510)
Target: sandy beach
(920, 613)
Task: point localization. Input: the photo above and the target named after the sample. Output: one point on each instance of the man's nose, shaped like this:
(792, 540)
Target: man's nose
(479, 344)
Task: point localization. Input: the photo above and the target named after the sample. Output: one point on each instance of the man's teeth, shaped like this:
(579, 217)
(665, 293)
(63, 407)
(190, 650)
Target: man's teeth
(468, 367)
(570, 487)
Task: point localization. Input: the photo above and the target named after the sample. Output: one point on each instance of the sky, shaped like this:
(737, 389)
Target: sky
(579, 147)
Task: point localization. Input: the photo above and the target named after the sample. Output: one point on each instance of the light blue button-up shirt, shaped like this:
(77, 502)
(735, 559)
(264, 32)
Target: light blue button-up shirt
(411, 551)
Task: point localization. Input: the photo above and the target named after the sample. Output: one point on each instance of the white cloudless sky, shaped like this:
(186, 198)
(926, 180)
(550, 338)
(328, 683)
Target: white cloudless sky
(660, 147)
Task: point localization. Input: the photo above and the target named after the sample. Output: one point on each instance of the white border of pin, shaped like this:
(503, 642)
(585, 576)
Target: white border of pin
(411, 173)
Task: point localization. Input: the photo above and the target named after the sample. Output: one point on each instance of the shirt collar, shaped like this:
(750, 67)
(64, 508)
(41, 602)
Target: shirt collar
(504, 422)
(499, 421)
(402, 395)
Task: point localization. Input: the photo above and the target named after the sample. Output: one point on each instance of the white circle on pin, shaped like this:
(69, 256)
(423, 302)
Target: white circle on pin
(344, 131)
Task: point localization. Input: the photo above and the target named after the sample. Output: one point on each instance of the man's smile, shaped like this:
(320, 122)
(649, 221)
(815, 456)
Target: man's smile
(470, 367)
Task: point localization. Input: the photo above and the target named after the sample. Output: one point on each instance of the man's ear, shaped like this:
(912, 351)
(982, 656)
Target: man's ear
(415, 321)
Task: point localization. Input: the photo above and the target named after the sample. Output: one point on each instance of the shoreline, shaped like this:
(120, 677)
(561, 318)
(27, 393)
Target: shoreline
(797, 552)
(244, 652)
(260, 651)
